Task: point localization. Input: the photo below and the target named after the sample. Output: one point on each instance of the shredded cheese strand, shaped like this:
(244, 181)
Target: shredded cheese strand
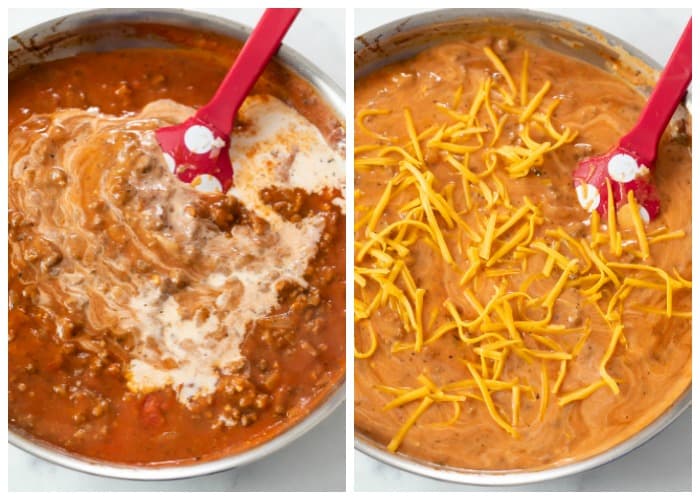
(401, 434)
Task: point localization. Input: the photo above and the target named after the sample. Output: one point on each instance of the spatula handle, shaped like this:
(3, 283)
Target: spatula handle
(262, 44)
(643, 139)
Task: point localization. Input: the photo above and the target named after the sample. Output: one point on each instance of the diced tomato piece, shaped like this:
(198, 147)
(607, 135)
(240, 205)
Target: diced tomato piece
(151, 410)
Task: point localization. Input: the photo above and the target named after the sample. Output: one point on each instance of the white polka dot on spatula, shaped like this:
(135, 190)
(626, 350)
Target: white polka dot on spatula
(588, 196)
(623, 168)
(170, 162)
(199, 139)
(207, 184)
(644, 215)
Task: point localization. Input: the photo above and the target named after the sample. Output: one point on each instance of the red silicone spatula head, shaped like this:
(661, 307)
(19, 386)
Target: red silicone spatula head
(625, 172)
(628, 166)
(197, 150)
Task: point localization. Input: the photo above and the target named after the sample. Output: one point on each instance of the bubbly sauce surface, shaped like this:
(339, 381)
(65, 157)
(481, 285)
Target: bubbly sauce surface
(150, 322)
(652, 368)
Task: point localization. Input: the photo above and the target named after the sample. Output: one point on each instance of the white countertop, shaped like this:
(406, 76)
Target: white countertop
(664, 463)
(316, 461)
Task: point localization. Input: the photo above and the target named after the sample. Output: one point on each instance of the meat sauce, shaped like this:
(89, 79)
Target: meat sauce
(124, 226)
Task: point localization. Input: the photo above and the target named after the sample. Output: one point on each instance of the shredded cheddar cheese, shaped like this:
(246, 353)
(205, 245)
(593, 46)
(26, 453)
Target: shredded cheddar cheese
(513, 270)
(372, 344)
(617, 331)
(398, 438)
(638, 225)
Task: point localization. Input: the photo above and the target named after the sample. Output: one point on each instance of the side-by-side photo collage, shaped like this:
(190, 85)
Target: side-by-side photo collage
(349, 250)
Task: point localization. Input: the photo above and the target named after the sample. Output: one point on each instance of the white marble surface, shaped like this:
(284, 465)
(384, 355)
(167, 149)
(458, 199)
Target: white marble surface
(663, 464)
(315, 462)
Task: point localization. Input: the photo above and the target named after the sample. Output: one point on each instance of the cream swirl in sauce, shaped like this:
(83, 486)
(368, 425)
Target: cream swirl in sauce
(118, 241)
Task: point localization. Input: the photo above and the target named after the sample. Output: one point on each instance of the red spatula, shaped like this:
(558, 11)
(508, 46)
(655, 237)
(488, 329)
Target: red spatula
(197, 150)
(628, 166)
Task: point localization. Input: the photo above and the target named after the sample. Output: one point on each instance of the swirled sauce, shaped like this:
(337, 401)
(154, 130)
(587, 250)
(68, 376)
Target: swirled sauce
(99, 195)
(150, 321)
(476, 345)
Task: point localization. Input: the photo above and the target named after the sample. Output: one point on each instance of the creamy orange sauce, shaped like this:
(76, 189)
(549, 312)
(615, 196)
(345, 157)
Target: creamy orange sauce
(651, 365)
